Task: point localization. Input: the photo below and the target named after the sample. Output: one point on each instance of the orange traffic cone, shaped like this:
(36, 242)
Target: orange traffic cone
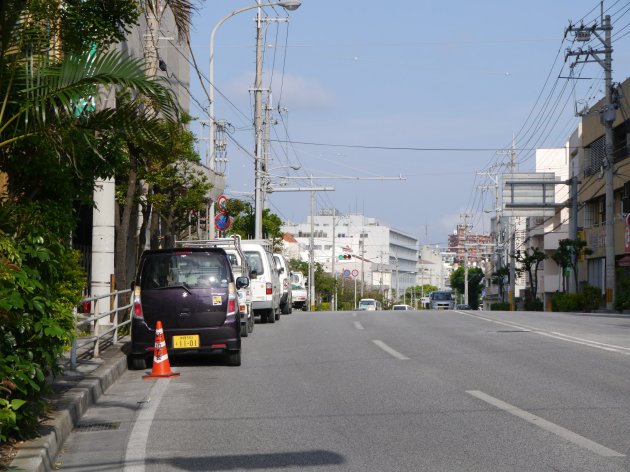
(161, 365)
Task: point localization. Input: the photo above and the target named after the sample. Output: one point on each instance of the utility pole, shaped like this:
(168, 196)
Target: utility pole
(258, 131)
(512, 225)
(362, 246)
(311, 255)
(511, 229)
(465, 216)
(332, 264)
(607, 118)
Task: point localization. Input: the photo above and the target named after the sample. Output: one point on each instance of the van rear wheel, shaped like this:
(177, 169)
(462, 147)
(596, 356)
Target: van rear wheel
(244, 331)
(137, 363)
(234, 359)
(271, 316)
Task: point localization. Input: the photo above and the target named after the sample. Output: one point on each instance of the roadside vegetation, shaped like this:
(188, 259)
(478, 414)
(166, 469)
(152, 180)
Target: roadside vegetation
(56, 140)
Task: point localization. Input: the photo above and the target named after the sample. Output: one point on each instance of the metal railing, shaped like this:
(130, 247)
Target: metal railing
(100, 307)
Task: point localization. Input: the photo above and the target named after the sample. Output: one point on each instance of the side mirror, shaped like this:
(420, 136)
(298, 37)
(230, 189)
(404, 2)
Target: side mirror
(242, 282)
(280, 270)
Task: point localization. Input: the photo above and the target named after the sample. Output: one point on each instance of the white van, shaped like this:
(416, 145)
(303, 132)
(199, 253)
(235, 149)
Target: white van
(264, 280)
(286, 300)
(369, 304)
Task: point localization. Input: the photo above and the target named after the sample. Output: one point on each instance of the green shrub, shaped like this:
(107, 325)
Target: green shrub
(534, 305)
(592, 297)
(568, 302)
(40, 284)
(500, 306)
(324, 306)
(622, 294)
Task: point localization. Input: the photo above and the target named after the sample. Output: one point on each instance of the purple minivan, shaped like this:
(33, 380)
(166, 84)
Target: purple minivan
(193, 293)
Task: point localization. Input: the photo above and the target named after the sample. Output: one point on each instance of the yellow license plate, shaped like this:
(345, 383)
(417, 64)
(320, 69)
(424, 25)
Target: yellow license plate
(186, 342)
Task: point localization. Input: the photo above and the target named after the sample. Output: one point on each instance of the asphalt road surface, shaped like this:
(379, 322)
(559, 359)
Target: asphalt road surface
(379, 391)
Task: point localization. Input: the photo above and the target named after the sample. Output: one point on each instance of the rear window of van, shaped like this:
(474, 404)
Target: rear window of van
(254, 261)
(192, 270)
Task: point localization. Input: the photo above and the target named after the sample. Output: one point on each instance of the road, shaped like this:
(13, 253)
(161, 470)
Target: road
(380, 391)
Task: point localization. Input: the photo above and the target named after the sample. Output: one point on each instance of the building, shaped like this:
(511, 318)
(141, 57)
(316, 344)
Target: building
(545, 233)
(592, 193)
(382, 258)
(435, 267)
(478, 246)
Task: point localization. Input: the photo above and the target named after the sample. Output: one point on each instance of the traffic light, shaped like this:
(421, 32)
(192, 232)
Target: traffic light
(345, 257)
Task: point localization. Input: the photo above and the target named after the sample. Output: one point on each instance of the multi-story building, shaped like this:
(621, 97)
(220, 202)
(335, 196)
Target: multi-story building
(476, 245)
(434, 267)
(383, 258)
(592, 192)
(545, 233)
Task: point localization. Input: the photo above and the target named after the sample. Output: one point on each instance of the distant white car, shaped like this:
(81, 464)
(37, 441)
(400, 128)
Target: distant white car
(299, 296)
(402, 307)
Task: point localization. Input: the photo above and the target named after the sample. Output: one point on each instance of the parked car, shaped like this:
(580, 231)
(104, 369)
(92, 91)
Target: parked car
(238, 262)
(264, 280)
(402, 307)
(286, 299)
(300, 296)
(192, 291)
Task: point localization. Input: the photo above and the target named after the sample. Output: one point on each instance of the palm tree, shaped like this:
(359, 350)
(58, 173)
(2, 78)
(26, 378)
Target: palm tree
(40, 91)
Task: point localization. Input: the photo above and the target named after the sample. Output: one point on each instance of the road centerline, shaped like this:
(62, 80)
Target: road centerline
(358, 325)
(542, 423)
(392, 352)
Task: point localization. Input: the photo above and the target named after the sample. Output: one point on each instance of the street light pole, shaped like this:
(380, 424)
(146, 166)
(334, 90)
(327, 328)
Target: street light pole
(289, 5)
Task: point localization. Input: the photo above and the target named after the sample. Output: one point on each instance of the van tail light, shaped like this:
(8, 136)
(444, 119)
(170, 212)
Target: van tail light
(137, 305)
(232, 304)
(269, 290)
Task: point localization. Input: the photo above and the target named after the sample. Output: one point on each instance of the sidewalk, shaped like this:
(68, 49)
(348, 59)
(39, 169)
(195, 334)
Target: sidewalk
(74, 393)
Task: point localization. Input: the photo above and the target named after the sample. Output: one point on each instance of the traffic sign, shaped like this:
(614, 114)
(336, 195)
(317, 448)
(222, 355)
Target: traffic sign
(222, 222)
(355, 273)
(346, 273)
(222, 202)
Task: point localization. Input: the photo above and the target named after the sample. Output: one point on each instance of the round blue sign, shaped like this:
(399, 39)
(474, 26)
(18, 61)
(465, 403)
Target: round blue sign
(222, 222)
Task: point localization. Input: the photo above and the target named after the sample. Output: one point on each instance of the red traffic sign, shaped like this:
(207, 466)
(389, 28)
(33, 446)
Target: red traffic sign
(222, 202)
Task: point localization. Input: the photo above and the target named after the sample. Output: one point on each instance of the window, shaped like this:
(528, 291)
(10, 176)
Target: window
(594, 156)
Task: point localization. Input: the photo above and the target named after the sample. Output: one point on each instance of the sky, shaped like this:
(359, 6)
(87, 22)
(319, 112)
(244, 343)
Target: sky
(435, 92)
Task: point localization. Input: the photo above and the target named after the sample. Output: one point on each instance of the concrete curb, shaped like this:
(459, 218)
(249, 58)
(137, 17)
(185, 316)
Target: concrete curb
(81, 391)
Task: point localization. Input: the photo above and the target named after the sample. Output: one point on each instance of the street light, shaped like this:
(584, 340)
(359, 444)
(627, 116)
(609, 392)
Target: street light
(289, 5)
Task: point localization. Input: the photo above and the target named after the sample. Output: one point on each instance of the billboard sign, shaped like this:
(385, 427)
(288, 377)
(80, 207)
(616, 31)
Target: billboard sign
(530, 194)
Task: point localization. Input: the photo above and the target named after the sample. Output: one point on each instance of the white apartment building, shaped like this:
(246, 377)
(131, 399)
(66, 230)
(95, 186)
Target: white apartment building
(546, 233)
(434, 267)
(383, 258)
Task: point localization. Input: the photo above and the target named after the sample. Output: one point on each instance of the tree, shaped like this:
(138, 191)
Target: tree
(566, 257)
(52, 147)
(529, 260)
(475, 286)
(244, 219)
(499, 278)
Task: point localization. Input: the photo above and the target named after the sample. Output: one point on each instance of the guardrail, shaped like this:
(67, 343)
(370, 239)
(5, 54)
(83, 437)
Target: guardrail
(100, 307)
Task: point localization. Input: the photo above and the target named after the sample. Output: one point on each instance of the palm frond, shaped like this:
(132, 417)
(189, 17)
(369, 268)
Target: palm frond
(182, 13)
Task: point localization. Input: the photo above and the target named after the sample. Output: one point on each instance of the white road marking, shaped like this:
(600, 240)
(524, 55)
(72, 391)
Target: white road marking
(137, 446)
(389, 350)
(547, 425)
(358, 325)
(555, 335)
